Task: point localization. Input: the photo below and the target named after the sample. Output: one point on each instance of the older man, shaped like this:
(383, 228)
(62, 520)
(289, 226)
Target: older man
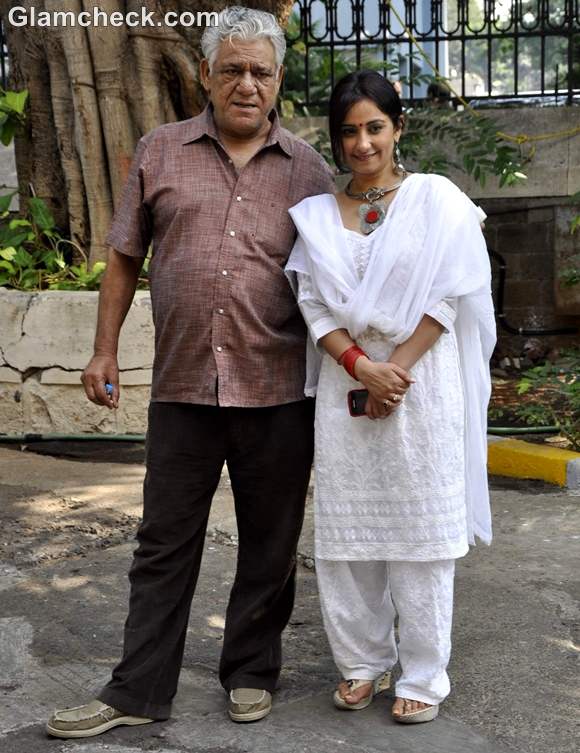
(212, 195)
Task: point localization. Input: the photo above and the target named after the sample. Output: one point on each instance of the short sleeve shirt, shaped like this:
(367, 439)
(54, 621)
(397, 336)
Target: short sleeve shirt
(227, 327)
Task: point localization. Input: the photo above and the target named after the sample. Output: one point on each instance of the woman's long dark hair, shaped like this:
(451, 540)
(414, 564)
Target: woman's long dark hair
(350, 90)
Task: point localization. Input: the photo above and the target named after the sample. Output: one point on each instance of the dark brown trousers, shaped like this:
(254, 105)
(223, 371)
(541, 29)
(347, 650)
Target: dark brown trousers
(268, 452)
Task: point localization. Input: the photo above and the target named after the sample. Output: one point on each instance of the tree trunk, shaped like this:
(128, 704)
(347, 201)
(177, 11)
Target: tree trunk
(93, 92)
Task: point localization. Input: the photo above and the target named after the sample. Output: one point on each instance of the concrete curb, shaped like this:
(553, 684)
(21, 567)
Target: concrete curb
(515, 458)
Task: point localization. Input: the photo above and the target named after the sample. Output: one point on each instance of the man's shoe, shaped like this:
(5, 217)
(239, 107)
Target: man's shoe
(249, 704)
(89, 720)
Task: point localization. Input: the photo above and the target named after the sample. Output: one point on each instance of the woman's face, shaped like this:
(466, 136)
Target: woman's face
(368, 139)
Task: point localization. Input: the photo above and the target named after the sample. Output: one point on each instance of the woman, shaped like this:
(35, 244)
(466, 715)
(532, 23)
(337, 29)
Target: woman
(393, 279)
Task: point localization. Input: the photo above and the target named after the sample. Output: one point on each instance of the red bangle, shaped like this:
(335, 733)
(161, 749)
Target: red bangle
(350, 357)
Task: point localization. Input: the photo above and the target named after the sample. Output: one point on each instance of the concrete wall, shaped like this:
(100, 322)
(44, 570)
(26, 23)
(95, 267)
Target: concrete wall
(46, 340)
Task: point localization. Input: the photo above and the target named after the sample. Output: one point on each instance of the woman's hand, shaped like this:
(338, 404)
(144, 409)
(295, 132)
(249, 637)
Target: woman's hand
(375, 408)
(383, 380)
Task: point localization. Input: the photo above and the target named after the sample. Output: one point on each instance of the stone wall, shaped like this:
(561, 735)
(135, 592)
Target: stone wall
(46, 340)
(533, 237)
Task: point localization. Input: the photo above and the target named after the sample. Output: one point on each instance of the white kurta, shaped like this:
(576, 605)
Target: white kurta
(389, 489)
(412, 486)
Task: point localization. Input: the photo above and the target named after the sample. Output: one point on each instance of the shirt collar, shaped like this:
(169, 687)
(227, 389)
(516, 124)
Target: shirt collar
(204, 125)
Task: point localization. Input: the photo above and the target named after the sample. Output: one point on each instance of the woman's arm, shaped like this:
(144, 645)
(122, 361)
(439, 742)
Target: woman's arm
(423, 338)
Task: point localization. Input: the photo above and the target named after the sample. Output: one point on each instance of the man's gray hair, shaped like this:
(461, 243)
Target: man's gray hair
(246, 24)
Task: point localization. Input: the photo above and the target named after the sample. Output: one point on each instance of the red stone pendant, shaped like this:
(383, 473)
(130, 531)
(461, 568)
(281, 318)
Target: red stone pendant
(371, 217)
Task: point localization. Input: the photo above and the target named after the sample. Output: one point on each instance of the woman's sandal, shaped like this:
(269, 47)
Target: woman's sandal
(416, 717)
(381, 683)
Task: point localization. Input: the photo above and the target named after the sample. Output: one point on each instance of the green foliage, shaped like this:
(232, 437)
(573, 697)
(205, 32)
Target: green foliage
(34, 256)
(570, 276)
(473, 139)
(12, 106)
(494, 413)
(552, 396)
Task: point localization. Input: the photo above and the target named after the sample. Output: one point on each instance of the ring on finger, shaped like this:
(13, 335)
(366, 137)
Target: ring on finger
(396, 398)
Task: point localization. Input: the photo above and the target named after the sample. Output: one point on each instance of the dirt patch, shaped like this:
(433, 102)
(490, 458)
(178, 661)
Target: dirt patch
(38, 526)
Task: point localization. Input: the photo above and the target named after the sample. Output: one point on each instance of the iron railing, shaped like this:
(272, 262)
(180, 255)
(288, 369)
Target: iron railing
(487, 49)
(4, 67)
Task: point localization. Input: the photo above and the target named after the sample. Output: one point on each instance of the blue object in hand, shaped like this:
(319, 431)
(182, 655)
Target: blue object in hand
(108, 388)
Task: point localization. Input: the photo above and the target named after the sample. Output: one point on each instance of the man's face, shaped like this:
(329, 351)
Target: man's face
(242, 86)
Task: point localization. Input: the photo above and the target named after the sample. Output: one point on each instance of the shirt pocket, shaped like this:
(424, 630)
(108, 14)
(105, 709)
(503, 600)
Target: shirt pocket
(275, 232)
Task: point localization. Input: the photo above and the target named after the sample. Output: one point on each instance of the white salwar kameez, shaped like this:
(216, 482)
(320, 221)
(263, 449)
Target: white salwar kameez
(397, 500)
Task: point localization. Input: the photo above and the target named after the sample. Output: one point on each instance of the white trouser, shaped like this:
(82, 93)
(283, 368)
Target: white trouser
(359, 603)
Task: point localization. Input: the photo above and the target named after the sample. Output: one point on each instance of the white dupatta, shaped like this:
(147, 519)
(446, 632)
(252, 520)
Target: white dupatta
(433, 229)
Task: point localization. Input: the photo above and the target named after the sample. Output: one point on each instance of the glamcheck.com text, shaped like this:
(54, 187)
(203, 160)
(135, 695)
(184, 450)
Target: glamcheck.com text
(21, 16)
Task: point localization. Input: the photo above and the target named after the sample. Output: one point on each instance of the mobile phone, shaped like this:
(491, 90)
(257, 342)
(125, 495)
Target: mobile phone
(357, 400)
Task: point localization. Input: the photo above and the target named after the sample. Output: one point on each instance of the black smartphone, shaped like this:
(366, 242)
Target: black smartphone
(357, 400)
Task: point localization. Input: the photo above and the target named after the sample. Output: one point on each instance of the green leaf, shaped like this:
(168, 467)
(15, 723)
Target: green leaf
(16, 100)
(6, 200)
(7, 132)
(6, 265)
(29, 279)
(13, 224)
(299, 47)
(12, 238)
(41, 214)
(23, 258)
(8, 253)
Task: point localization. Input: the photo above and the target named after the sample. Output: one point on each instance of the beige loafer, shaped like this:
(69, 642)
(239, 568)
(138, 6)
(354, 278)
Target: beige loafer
(249, 704)
(89, 720)
(381, 683)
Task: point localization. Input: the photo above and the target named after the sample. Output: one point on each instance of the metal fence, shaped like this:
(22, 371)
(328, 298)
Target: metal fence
(3, 59)
(486, 49)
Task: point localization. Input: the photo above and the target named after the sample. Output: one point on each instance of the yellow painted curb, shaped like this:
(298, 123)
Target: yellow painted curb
(513, 457)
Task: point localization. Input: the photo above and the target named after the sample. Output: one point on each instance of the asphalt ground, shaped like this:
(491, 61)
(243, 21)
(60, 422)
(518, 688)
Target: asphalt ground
(68, 524)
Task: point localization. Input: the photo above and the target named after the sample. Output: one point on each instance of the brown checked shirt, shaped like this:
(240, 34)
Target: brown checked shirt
(227, 327)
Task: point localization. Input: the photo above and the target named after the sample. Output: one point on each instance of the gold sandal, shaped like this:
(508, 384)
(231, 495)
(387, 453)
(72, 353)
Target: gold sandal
(377, 686)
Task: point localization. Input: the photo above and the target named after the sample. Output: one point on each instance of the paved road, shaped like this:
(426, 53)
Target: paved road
(64, 551)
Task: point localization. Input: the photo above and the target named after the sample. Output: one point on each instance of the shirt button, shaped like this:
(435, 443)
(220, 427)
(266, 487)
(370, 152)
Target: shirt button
(238, 198)
(219, 348)
(220, 311)
(225, 272)
(233, 233)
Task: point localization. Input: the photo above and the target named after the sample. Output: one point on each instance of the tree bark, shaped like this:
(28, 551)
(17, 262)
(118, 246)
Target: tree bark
(93, 92)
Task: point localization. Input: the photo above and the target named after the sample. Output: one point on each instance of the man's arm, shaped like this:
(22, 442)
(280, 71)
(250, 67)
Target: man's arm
(115, 297)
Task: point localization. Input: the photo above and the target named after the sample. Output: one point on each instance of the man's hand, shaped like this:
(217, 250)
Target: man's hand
(382, 380)
(100, 370)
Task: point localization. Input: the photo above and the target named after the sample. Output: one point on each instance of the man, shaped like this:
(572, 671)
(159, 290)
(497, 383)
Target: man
(211, 194)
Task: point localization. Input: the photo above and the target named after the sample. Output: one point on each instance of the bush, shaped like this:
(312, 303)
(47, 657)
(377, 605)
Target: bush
(552, 393)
